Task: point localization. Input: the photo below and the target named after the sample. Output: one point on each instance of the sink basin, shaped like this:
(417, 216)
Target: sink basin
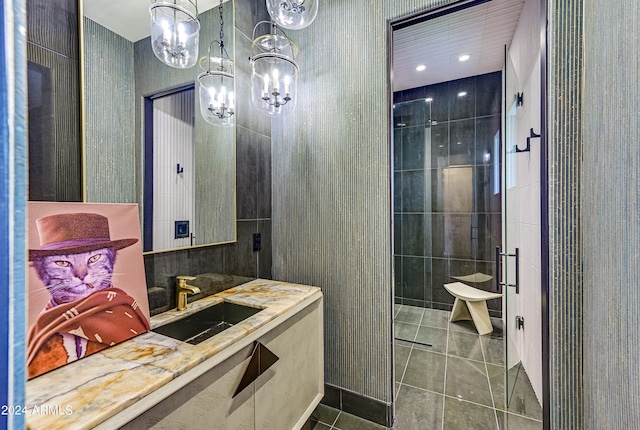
(206, 323)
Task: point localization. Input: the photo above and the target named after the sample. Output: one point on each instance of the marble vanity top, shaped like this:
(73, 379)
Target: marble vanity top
(83, 394)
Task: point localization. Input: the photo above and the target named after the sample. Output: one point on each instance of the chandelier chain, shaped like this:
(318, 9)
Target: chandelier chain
(221, 25)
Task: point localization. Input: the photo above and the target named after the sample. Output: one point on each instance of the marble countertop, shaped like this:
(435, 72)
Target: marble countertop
(85, 393)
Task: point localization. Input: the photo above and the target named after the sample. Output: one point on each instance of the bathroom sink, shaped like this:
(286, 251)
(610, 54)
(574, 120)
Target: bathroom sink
(206, 323)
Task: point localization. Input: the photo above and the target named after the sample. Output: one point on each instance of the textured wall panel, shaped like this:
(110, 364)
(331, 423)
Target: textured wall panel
(109, 91)
(565, 174)
(173, 193)
(332, 188)
(54, 25)
(611, 215)
(66, 114)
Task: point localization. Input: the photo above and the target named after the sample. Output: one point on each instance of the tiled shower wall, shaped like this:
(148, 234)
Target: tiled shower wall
(447, 200)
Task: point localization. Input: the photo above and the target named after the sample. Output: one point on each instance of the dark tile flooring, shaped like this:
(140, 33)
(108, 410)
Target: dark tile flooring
(456, 383)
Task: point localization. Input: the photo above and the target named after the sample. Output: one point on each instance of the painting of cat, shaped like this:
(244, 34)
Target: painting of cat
(81, 311)
(70, 277)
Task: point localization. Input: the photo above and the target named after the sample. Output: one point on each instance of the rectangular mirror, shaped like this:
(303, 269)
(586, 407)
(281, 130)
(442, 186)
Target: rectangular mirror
(144, 138)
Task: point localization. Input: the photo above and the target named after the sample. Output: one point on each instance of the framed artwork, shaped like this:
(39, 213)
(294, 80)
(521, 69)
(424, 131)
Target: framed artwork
(87, 286)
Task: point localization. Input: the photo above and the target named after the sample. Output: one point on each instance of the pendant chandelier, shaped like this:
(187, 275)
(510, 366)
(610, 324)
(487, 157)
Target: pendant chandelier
(274, 72)
(216, 84)
(175, 32)
(293, 14)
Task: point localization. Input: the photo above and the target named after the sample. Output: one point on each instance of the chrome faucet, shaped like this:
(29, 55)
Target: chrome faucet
(183, 290)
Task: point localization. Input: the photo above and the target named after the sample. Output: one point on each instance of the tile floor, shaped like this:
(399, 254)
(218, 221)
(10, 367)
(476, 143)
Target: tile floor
(456, 383)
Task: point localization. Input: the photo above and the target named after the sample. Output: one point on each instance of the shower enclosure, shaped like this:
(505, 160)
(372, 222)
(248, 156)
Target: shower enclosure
(447, 192)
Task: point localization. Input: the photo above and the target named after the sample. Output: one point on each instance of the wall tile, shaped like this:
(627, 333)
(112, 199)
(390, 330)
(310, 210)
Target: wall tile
(413, 277)
(485, 182)
(486, 130)
(413, 150)
(413, 191)
(461, 107)
(247, 183)
(488, 94)
(240, 259)
(413, 234)
(265, 254)
(462, 142)
(397, 191)
(440, 145)
(440, 103)
(264, 177)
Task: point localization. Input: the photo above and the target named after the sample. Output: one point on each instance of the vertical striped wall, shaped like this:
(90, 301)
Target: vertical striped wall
(331, 209)
(332, 188)
(52, 33)
(565, 207)
(109, 134)
(173, 192)
(611, 214)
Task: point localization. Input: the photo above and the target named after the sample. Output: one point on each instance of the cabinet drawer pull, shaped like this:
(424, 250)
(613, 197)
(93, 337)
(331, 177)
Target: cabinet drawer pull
(261, 360)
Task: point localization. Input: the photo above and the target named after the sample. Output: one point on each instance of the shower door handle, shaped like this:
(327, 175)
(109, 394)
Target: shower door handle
(499, 283)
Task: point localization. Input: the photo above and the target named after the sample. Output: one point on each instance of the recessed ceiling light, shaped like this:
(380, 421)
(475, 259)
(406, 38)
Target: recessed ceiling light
(428, 99)
(464, 57)
(462, 93)
(402, 124)
(421, 67)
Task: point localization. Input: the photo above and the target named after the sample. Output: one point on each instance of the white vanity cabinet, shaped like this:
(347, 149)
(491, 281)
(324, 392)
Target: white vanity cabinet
(281, 398)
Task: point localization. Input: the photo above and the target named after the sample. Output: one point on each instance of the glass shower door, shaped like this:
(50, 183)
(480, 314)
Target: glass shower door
(509, 253)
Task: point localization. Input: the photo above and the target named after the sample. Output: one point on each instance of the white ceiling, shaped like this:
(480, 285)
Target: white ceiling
(481, 31)
(128, 18)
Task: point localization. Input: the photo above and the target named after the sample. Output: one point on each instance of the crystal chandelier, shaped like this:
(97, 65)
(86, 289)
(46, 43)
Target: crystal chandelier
(293, 14)
(217, 97)
(274, 72)
(175, 32)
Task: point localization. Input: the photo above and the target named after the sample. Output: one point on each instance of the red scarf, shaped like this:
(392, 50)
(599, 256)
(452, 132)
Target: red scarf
(106, 317)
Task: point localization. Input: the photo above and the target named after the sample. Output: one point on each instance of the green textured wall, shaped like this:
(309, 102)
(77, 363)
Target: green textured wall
(611, 214)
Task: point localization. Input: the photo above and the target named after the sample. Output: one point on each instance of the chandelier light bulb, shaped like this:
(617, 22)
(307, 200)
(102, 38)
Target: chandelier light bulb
(274, 73)
(293, 14)
(217, 99)
(175, 32)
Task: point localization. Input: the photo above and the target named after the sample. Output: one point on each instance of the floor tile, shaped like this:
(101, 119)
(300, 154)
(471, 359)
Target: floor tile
(320, 426)
(405, 331)
(461, 415)
(435, 318)
(401, 358)
(523, 400)
(325, 414)
(463, 326)
(468, 380)
(465, 345)
(418, 409)
(410, 314)
(425, 370)
(509, 421)
(351, 422)
(435, 337)
(496, 380)
(493, 350)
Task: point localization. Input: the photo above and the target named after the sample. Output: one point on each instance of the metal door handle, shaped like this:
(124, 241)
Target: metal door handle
(499, 282)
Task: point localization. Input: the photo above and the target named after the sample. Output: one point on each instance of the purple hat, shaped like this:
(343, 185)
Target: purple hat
(74, 233)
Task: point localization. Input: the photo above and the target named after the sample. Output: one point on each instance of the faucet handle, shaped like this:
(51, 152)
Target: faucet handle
(186, 278)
